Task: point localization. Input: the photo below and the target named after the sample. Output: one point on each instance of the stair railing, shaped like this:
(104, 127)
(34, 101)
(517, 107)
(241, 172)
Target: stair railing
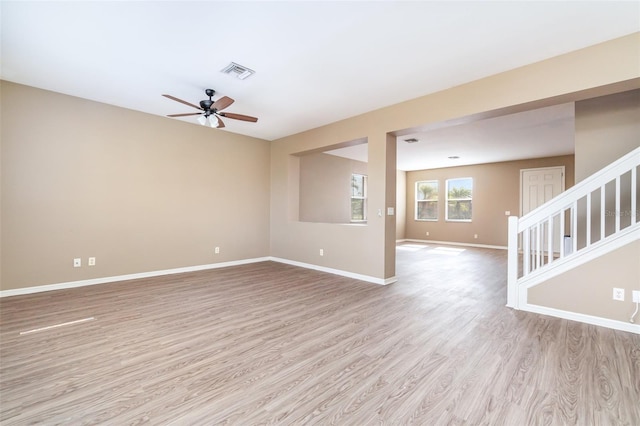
(598, 209)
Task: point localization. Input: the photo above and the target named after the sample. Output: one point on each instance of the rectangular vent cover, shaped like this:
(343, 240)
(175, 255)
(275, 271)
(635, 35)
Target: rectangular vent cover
(237, 70)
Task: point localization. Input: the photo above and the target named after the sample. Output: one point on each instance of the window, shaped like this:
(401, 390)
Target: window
(427, 200)
(358, 198)
(459, 198)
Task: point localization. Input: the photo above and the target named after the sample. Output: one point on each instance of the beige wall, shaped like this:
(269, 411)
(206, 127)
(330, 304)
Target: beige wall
(607, 127)
(138, 192)
(146, 193)
(325, 187)
(597, 70)
(496, 189)
(588, 290)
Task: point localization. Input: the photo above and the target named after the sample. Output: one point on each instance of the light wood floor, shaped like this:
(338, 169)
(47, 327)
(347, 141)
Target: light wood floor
(268, 343)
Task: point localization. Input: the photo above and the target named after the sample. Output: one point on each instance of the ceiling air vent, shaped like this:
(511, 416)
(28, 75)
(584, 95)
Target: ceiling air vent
(411, 140)
(237, 70)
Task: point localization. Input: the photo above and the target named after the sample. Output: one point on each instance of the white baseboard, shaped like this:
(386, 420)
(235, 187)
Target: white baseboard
(367, 278)
(587, 319)
(105, 280)
(449, 243)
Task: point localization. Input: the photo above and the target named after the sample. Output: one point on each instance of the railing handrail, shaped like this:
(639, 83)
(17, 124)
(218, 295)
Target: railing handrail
(593, 182)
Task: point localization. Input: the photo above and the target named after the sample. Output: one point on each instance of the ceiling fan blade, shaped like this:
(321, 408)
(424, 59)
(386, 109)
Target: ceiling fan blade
(220, 123)
(173, 98)
(184, 115)
(222, 103)
(239, 116)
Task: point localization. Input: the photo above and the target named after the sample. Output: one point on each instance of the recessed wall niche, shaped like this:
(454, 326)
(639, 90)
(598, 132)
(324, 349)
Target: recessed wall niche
(321, 182)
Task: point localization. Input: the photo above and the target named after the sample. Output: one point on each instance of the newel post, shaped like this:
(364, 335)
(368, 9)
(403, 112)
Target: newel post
(512, 263)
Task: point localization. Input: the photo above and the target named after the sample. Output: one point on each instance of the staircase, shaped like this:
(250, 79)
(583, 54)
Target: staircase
(594, 217)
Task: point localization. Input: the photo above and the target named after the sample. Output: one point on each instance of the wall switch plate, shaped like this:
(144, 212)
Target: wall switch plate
(618, 294)
(77, 262)
(636, 296)
(92, 261)
(507, 213)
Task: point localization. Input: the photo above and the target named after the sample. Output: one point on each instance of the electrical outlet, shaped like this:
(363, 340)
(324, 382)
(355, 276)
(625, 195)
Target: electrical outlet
(618, 294)
(77, 262)
(427, 233)
(92, 261)
(475, 236)
(321, 252)
(636, 296)
(217, 250)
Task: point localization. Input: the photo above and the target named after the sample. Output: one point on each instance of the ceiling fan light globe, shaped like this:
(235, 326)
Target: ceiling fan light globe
(202, 120)
(213, 121)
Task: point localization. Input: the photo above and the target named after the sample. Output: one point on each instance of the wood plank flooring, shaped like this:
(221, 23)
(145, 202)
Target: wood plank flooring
(268, 343)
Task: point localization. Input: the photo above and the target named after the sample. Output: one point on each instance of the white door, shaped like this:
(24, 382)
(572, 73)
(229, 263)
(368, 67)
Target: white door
(539, 186)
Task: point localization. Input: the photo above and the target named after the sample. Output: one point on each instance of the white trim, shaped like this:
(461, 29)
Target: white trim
(512, 263)
(106, 280)
(367, 278)
(449, 243)
(587, 319)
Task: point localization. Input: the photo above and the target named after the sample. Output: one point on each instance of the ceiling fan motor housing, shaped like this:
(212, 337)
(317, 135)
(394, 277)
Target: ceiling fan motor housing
(206, 104)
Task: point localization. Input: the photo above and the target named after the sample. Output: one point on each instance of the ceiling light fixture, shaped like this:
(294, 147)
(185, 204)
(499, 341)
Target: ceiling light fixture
(202, 120)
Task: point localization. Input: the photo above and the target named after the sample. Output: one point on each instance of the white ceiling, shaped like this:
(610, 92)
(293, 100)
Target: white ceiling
(543, 132)
(315, 62)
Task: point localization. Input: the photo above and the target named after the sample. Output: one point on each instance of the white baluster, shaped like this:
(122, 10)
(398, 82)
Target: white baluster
(550, 240)
(512, 263)
(527, 251)
(588, 219)
(602, 211)
(562, 253)
(617, 212)
(634, 206)
(574, 226)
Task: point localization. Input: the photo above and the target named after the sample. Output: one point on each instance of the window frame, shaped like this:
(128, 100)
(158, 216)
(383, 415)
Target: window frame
(353, 197)
(448, 199)
(426, 201)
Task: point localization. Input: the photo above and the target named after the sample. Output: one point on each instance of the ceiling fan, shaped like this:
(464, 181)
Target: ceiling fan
(210, 110)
